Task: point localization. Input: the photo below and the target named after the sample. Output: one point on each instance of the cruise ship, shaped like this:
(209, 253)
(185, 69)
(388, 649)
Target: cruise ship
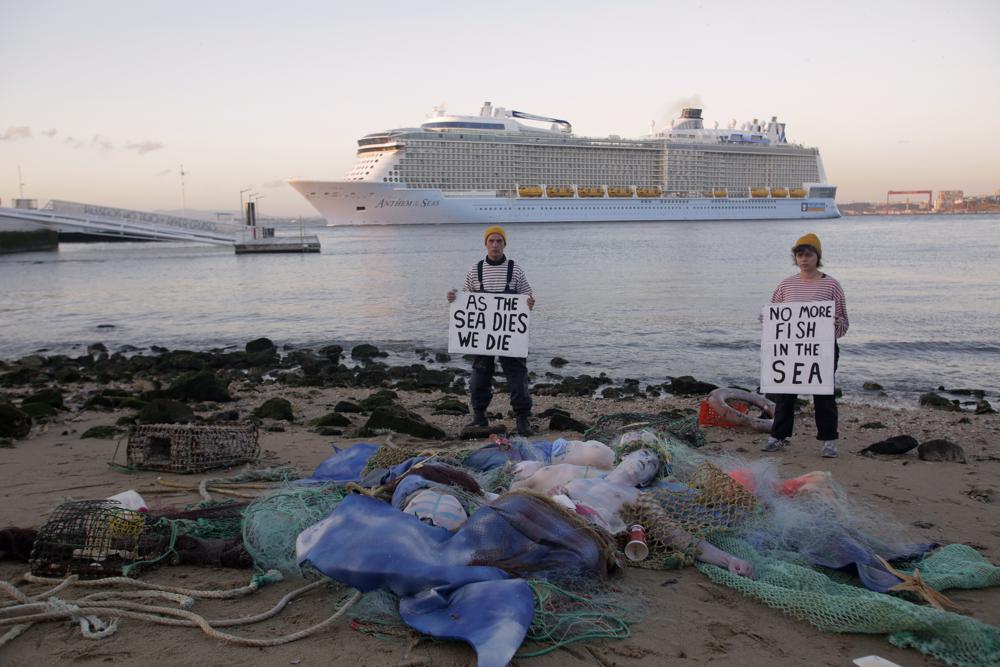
(510, 166)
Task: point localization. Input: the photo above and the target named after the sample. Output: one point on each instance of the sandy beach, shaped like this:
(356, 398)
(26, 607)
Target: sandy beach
(688, 619)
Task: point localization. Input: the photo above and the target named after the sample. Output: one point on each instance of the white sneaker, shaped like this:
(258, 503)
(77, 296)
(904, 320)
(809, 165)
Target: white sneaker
(774, 444)
(830, 449)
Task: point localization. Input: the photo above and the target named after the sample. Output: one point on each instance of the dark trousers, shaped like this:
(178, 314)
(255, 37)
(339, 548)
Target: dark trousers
(481, 383)
(825, 406)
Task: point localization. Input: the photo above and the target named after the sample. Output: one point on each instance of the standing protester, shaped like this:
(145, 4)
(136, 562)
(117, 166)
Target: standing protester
(809, 284)
(499, 275)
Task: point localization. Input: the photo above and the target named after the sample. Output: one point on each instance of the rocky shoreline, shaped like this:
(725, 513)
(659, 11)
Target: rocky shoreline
(169, 386)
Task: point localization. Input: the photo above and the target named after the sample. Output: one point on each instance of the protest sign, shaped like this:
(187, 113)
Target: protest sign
(488, 323)
(797, 348)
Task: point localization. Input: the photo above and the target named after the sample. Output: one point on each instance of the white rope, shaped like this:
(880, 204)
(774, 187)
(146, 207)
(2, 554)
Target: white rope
(85, 611)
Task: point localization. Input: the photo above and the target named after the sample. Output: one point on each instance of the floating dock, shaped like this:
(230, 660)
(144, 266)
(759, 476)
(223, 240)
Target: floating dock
(278, 244)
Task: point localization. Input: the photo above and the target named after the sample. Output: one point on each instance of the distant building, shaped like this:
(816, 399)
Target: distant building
(949, 200)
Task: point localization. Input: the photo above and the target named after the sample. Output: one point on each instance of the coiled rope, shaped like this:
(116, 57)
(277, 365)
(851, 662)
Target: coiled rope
(28, 610)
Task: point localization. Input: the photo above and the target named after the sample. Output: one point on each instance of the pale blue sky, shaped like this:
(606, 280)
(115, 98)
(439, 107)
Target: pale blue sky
(900, 95)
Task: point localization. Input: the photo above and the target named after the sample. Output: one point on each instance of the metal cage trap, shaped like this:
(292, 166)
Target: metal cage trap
(95, 538)
(187, 448)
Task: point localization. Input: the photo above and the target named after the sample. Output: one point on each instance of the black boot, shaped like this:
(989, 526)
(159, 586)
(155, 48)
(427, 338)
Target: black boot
(479, 420)
(523, 427)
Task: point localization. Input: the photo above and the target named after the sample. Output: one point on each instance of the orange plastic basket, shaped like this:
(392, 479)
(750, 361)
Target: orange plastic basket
(707, 416)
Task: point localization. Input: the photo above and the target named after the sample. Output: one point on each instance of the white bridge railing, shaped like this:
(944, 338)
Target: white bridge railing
(125, 223)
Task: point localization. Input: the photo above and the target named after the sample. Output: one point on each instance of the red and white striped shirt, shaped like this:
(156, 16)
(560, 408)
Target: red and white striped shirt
(794, 288)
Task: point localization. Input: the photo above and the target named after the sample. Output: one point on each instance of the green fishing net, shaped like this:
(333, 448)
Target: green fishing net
(810, 595)
(271, 524)
(677, 427)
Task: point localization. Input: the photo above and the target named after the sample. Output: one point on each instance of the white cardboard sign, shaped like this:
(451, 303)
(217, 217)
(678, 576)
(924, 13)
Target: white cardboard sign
(797, 348)
(489, 323)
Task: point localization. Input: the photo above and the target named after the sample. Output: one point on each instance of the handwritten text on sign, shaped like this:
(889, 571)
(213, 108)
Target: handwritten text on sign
(492, 324)
(797, 347)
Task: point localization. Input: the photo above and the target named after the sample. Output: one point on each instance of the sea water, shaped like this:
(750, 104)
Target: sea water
(634, 300)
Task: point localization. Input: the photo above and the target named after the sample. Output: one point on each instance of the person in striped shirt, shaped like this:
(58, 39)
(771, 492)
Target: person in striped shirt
(498, 274)
(809, 284)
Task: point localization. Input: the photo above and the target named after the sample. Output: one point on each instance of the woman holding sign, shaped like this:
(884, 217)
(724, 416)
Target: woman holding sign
(809, 284)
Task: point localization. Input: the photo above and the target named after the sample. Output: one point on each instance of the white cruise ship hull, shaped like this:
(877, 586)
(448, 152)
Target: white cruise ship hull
(367, 203)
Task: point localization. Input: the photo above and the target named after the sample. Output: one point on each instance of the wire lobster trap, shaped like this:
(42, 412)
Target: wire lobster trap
(95, 538)
(188, 448)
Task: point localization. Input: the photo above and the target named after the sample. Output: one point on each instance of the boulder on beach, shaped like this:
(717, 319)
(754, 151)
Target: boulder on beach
(450, 406)
(347, 406)
(366, 351)
(940, 450)
(275, 408)
(14, 423)
(378, 399)
(259, 345)
(102, 432)
(897, 444)
(685, 385)
(560, 422)
(165, 411)
(199, 386)
(399, 419)
(51, 396)
(938, 402)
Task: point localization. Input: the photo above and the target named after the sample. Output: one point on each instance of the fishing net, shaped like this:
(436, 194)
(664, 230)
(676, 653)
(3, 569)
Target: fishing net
(676, 517)
(810, 595)
(564, 616)
(561, 616)
(674, 425)
(209, 520)
(271, 524)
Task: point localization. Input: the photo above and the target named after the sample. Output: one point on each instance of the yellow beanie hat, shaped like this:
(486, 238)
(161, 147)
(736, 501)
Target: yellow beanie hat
(495, 229)
(810, 239)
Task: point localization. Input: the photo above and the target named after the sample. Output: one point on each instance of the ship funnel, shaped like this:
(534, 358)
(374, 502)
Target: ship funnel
(690, 120)
(486, 110)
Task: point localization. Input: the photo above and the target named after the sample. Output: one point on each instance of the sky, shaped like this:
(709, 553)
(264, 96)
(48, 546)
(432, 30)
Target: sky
(103, 101)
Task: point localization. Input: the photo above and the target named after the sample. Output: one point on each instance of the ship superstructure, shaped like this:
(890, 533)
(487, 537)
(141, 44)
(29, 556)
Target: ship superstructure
(496, 167)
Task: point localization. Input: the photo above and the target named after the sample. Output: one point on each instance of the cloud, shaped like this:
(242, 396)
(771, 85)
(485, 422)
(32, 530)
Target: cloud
(73, 142)
(50, 132)
(102, 142)
(274, 184)
(143, 147)
(18, 132)
(164, 172)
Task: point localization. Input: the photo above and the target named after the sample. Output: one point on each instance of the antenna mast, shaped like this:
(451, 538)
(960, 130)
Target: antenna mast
(20, 181)
(183, 195)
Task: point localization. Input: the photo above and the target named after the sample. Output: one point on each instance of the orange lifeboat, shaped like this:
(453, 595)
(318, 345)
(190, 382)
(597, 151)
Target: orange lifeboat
(620, 191)
(559, 191)
(719, 192)
(758, 192)
(798, 193)
(779, 192)
(529, 191)
(590, 191)
(649, 191)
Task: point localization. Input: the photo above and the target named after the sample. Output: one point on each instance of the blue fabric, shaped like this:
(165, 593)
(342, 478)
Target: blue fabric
(344, 465)
(367, 544)
(493, 456)
(410, 485)
(843, 549)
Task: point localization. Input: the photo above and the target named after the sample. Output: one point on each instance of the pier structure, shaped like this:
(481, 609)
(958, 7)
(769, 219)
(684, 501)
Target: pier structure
(119, 223)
